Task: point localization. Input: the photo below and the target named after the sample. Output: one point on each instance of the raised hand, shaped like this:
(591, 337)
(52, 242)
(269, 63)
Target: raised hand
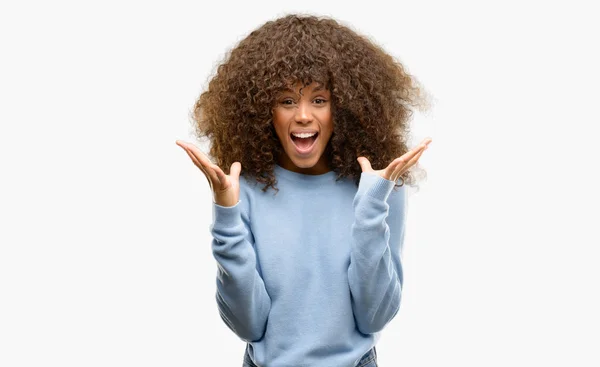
(225, 188)
(399, 165)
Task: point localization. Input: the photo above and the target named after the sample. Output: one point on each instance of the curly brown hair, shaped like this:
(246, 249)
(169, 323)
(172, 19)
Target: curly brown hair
(372, 96)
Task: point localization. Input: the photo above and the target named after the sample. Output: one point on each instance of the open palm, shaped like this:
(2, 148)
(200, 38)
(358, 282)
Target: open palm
(226, 188)
(398, 166)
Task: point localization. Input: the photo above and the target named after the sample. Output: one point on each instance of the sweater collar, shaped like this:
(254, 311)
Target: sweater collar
(281, 172)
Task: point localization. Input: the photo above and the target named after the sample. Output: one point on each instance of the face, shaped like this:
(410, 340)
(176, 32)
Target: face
(303, 123)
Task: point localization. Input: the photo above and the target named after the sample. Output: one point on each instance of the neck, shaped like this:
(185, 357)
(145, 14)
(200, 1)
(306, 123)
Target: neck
(320, 168)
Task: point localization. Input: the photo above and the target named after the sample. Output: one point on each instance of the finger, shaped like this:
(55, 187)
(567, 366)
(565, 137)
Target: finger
(206, 167)
(201, 167)
(416, 156)
(397, 163)
(400, 165)
(192, 157)
(401, 169)
(406, 157)
(184, 145)
(197, 163)
(221, 176)
(426, 141)
(181, 143)
(234, 171)
(214, 177)
(208, 176)
(364, 163)
(199, 154)
(206, 164)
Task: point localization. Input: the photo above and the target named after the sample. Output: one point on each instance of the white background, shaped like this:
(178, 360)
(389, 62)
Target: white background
(104, 235)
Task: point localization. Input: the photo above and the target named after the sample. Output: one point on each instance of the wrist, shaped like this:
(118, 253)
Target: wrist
(224, 200)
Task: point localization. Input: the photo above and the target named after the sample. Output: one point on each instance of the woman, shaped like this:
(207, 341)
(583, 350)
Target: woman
(308, 238)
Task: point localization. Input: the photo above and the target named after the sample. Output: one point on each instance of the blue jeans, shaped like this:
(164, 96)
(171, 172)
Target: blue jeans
(369, 359)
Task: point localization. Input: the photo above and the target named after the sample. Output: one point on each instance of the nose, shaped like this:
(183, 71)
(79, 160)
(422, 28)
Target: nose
(303, 113)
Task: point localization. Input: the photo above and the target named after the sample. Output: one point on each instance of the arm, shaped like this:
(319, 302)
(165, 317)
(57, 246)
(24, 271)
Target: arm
(242, 299)
(375, 271)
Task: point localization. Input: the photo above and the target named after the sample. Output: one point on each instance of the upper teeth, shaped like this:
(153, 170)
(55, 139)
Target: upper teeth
(303, 135)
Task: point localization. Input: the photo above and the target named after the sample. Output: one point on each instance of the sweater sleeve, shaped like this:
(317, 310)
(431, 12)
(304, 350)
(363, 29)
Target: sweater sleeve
(241, 295)
(375, 271)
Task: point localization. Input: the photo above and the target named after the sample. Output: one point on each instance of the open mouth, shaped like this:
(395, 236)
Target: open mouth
(304, 143)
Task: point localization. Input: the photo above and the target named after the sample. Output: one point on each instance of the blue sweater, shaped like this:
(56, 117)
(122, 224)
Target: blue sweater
(311, 275)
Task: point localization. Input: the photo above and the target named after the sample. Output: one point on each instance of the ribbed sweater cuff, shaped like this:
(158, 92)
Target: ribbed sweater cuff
(226, 216)
(375, 186)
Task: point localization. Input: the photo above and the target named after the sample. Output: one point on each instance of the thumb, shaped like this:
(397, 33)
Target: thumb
(234, 171)
(364, 163)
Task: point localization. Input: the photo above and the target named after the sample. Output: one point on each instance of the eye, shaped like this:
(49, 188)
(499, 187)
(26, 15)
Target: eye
(320, 101)
(287, 101)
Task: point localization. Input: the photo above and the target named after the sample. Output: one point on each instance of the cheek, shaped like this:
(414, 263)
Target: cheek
(276, 117)
(279, 124)
(327, 121)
